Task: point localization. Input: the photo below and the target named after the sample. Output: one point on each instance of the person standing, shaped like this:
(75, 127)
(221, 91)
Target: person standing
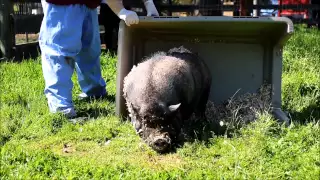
(69, 39)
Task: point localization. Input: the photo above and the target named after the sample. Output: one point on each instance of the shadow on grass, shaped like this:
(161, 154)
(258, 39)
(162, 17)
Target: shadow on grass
(109, 98)
(203, 131)
(95, 111)
(310, 113)
(87, 109)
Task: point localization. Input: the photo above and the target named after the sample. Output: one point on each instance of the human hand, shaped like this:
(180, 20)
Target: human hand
(129, 17)
(151, 8)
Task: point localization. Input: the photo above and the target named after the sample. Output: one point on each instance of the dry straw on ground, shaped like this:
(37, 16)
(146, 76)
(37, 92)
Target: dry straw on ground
(239, 110)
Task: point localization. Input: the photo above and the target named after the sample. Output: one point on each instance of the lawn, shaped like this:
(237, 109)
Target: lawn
(38, 145)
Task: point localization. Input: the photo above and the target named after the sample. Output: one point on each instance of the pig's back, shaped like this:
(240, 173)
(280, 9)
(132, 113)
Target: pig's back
(166, 78)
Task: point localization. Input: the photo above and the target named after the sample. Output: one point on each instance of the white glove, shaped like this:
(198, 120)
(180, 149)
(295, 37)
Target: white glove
(129, 17)
(151, 8)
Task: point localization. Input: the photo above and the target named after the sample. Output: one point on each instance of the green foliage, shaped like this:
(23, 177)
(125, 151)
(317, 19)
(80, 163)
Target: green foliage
(38, 145)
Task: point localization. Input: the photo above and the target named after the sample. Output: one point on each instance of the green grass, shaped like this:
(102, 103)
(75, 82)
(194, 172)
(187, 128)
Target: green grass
(32, 139)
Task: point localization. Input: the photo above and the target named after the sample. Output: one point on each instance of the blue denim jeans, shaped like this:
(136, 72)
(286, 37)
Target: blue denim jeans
(70, 39)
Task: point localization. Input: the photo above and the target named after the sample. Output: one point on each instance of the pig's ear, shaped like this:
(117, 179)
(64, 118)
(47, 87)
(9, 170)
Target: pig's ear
(173, 108)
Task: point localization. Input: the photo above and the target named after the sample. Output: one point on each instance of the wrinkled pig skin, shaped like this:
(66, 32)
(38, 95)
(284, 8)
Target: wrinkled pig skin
(164, 90)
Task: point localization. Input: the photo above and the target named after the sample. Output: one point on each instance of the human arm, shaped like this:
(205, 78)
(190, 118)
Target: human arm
(150, 7)
(130, 17)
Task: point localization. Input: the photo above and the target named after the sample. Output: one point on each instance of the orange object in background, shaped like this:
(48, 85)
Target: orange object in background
(294, 13)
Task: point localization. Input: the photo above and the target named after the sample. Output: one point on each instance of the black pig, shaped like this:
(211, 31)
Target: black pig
(163, 91)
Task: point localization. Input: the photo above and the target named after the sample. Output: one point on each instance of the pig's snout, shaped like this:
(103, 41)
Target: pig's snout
(161, 143)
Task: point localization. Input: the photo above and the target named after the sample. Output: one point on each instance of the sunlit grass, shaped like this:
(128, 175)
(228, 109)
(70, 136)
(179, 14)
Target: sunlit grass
(36, 144)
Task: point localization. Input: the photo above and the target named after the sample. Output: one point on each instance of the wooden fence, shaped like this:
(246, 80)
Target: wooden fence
(24, 17)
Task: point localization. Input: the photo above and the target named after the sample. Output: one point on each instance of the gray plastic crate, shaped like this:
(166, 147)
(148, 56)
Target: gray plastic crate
(242, 52)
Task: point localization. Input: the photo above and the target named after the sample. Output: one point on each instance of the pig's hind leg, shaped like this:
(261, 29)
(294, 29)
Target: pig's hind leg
(200, 110)
(202, 123)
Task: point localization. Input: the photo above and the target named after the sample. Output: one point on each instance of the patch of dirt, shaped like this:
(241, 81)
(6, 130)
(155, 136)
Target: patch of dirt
(164, 162)
(67, 148)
